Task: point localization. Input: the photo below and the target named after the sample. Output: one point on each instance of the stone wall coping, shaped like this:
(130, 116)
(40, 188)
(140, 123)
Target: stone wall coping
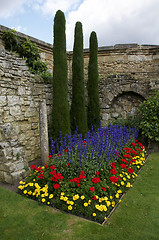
(40, 43)
(101, 50)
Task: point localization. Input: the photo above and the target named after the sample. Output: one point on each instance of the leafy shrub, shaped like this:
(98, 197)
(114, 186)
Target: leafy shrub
(148, 117)
(130, 121)
(12, 41)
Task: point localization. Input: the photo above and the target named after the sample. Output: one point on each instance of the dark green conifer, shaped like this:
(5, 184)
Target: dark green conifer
(93, 111)
(78, 110)
(60, 109)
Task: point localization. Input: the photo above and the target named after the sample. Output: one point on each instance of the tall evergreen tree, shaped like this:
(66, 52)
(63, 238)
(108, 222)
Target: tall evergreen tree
(60, 109)
(93, 110)
(78, 110)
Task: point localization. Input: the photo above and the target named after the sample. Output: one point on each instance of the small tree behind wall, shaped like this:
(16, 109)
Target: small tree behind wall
(60, 109)
(93, 111)
(78, 110)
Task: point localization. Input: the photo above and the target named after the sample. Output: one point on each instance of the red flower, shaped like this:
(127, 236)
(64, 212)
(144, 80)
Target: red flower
(65, 150)
(78, 185)
(130, 170)
(94, 198)
(49, 156)
(123, 160)
(33, 166)
(56, 185)
(95, 180)
(75, 180)
(97, 173)
(91, 189)
(127, 156)
(113, 179)
(113, 165)
(140, 144)
(38, 169)
(52, 167)
(46, 165)
(52, 172)
(113, 171)
(84, 143)
(41, 176)
(103, 188)
(123, 166)
(133, 144)
(53, 179)
(82, 172)
(117, 153)
(67, 164)
(82, 176)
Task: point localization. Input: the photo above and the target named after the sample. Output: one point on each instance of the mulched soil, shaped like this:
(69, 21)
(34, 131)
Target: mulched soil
(14, 187)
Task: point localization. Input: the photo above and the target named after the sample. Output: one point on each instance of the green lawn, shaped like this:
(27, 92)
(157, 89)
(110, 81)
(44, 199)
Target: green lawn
(137, 217)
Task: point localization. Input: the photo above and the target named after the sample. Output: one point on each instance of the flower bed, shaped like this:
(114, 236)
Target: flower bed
(87, 177)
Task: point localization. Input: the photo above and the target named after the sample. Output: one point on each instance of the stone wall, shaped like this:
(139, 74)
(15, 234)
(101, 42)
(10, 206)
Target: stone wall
(20, 94)
(127, 74)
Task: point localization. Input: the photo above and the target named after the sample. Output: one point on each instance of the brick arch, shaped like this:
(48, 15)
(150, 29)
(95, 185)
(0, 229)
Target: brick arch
(125, 104)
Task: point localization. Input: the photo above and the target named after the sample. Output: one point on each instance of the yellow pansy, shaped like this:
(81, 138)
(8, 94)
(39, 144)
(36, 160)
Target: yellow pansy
(85, 204)
(117, 195)
(128, 184)
(108, 203)
(69, 207)
(119, 191)
(51, 196)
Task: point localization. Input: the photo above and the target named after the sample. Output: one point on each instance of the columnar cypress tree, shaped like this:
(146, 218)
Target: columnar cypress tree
(93, 111)
(78, 110)
(60, 109)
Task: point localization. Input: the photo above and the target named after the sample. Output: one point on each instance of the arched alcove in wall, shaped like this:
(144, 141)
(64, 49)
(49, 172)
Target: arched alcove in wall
(125, 104)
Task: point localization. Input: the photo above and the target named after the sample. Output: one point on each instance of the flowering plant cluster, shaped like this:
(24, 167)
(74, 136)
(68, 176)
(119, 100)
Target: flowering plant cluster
(90, 193)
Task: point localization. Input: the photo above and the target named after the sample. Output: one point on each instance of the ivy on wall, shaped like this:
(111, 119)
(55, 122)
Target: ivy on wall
(28, 50)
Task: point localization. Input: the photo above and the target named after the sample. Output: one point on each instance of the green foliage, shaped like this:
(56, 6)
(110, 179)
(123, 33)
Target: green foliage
(93, 112)
(26, 49)
(148, 117)
(12, 41)
(78, 111)
(60, 110)
(47, 76)
(131, 121)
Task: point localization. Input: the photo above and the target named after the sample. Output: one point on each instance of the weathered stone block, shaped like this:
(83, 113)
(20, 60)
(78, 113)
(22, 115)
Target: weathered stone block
(15, 110)
(25, 126)
(21, 90)
(31, 112)
(17, 152)
(18, 175)
(3, 101)
(8, 178)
